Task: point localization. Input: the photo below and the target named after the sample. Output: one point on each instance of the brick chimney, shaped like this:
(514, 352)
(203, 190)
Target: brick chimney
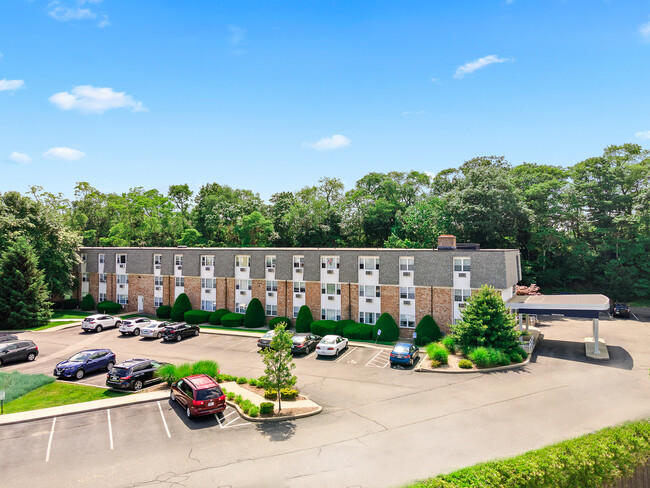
(446, 242)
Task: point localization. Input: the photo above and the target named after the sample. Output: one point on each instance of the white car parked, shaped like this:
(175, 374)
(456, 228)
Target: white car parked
(154, 329)
(331, 345)
(99, 322)
(133, 326)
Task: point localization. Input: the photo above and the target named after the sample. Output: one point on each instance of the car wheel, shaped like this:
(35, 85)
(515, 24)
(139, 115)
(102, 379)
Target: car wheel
(31, 356)
(411, 363)
(99, 328)
(118, 323)
(336, 353)
(79, 374)
(0, 362)
(137, 385)
(110, 365)
(159, 335)
(136, 332)
(178, 337)
(196, 332)
(188, 413)
(172, 397)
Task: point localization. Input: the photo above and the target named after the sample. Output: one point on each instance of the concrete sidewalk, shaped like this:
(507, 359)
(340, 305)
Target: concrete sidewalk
(258, 399)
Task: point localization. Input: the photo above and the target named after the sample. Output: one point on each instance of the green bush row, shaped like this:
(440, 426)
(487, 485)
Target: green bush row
(171, 373)
(195, 317)
(108, 307)
(232, 320)
(488, 357)
(216, 316)
(278, 320)
(594, 460)
(285, 394)
(164, 312)
(266, 408)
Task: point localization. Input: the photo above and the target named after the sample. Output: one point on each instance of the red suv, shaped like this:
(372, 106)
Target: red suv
(199, 394)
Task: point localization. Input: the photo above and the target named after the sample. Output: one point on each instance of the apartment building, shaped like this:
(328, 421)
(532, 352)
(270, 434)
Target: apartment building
(335, 283)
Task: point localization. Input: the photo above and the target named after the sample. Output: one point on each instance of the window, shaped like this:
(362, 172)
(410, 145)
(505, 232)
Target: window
(208, 306)
(367, 317)
(241, 307)
(102, 258)
(299, 262)
(84, 258)
(271, 310)
(84, 277)
(271, 286)
(369, 291)
(299, 287)
(270, 262)
(120, 259)
(330, 314)
(368, 263)
(178, 259)
(462, 264)
(102, 297)
(331, 262)
(157, 259)
(330, 288)
(407, 292)
(157, 302)
(406, 264)
(295, 312)
(122, 299)
(242, 261)
(462, 295)
(407, 321)
(208, 282)
(207, 260)
(180, 280)
(102, 277)
(243, 284)
(158, 281)
(122, 279)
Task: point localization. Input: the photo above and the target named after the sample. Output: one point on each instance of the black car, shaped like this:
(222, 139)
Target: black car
(134, 374)
(15, 350)
(304, 343)
(621, 310)
(176, 332)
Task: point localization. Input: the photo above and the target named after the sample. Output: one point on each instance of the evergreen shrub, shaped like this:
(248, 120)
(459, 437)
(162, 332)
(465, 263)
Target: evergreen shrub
(196, 316)
(278, 320)
(255, 314)
(88, 303)
(181, 305)
(108, 307)
(164, 312)
(427, 329)
(304, 320)
(216, 316)
(232, 320)
(389, 329)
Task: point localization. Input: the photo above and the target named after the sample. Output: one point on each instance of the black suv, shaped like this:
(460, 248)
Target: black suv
(134, 374)
(15, 350)
(621, 310)
(176, 332)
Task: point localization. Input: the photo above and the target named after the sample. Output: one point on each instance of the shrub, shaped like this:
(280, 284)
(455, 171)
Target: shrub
(88, 303)
(465, 364)
(252, 382)
(304, 319)
(164, 312)
(278, 320)
(196, 316)
(449, 343)
(266, 408)
(70, 303)
(480, 357)
(241, 380)
(238, 399)
(427, 330)
(246, 405)
(181, 305)
(215, 317)
(498, 358)
(230, 396)
(389, 329)
(255, 314)
(232, 320)
(438, 352)
(358, 331)
(211, 368)
(288, 394)
(324, 327)
(270, 394)
(168, 373)
(108, 307)
(254, 411)
(515, 357)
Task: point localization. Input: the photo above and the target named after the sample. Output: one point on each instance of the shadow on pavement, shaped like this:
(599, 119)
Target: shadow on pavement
(195, 423)
(575, 351)
(277, 431)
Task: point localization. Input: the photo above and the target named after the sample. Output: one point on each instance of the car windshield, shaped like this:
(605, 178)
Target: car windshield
(119, 371)
(77, 358)
(401, 349)
(268, 335)
(89, 319)
(127, 322)
(208, 393)
(299, 339)
(328, 340)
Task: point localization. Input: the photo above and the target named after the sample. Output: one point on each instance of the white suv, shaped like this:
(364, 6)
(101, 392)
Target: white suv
(99, 322)
(133, 326)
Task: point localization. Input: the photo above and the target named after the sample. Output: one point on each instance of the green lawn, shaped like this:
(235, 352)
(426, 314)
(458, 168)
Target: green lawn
(240, 329)
(55, 324)
(69, 314)
(17, 384)
(57, 394)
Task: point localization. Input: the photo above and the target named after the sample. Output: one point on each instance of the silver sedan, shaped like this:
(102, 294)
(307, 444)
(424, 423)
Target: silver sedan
(154, 330)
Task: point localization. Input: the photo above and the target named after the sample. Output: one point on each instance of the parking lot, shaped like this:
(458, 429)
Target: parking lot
(445, 421)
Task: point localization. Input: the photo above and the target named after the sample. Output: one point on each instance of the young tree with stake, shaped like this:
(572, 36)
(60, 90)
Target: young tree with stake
(279, 363)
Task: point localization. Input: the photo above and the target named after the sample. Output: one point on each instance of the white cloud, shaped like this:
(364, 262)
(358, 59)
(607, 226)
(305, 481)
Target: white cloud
(17, 157)
(644, 31)
(11, 85)
(94, 99)
(413, 112)
(236, 35)
(472, 66)
(65, 14)
(63, 153)
(643, 134)
(104, 22)
(434, 80)
(328, 143)
(429, 174)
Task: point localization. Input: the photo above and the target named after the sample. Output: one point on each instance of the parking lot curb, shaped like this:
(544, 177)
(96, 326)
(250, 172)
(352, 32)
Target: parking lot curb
(241, 413)
(470, 371)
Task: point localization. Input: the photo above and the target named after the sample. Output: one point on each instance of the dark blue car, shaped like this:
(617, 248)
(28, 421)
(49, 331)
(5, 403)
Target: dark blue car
(404, 353)
(85, 362)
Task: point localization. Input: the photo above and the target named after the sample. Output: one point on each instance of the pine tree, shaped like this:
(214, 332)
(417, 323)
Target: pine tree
(23, 294)
(182, 304)
(255, 314)
(304, 320)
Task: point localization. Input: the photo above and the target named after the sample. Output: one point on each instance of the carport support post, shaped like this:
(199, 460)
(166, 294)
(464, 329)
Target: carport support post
(596, 351)
(521, 328)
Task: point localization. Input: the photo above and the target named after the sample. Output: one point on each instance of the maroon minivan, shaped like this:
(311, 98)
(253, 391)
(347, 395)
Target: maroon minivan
(199, 394)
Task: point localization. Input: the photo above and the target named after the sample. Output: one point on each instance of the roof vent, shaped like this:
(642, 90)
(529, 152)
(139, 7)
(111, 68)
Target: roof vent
(446, 242)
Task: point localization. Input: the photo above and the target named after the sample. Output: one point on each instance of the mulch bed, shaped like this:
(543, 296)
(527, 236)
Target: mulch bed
(260, 392)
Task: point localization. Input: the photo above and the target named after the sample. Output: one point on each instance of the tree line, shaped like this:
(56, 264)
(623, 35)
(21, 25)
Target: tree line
(584, 227)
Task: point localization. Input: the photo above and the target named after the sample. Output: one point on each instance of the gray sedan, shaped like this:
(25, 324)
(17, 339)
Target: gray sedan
(154, 329)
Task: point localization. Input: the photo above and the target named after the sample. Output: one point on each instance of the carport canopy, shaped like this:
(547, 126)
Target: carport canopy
(584, 306)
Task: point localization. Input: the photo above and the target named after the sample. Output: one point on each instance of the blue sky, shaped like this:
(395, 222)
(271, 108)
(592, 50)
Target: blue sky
(271, 96)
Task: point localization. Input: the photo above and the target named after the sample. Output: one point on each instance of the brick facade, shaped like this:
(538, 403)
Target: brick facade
(442, 307)
(110, 287)
(141, 285)
(221, 293)
(354, 302)
(289, 300)
(282, 299)
(312, 298)
(93, 286)
(422, 302)
(258, 290)
(345, 301)
(390, 300)
(193, 291)
(230, 294)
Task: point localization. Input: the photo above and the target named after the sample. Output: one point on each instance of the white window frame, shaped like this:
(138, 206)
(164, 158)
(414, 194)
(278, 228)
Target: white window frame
(370, 291)
(179, 281)
(270, 261)
(368, 318)
(407, 292)
(101, 258)
(296, 310)
(242, 261)
(334, 287)
(299, 287)
(208, 283)
(331, 312)
(463, 264)
(271, 310)
(118, 258)
(330, 262)
(243, 284)
(85, 278)
(122, 299)
(157, 302)
(299, 262)
(240, 307)
(406, 263)
(122, 279)
(271, 285)
(369, 263)
(407, 321)
(207, 260)
(102, 277)
(102, 297)
(461, 296)
(178, 260)
(157, 259)
(157, 281)
(208, 305)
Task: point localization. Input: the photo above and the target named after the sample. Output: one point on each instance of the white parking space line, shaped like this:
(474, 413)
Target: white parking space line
(211, 342)
(352, 349)
(373, 358)
(237, 343)
(254, 350)
(162, 415)
(110, 427)
(233, 420)
(49, 443)
(634, 315)
(380, 360)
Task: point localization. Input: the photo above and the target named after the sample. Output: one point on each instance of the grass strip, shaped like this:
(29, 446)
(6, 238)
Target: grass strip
(68, 314)
(239, 329)
(17, 384)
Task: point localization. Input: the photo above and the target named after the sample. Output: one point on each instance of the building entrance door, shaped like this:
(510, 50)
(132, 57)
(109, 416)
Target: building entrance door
(140, 303)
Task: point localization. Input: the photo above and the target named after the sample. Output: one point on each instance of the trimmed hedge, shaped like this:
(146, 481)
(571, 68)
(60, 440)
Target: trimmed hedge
(88, 303)
(196, 316)
(358, 331)
(594, 460)
(427, 331)
(389, 329)
(181, 305)
(70, 303)
(266, 408)
(164, 312)
(232, 320)
(215, 317)
(326, 327)
(278, 320)
(304, 320)
(108, 307)
(255, 314)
